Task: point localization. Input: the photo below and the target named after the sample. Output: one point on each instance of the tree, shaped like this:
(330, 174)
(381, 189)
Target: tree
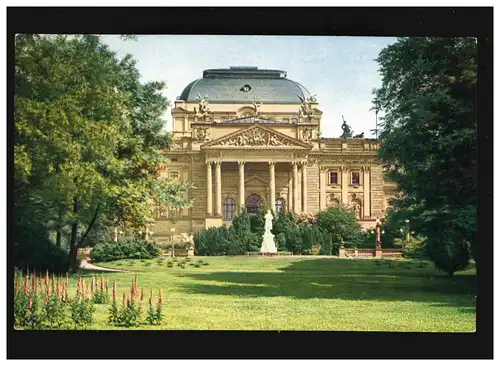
(341, 223)
(428, 132)
(88, 138)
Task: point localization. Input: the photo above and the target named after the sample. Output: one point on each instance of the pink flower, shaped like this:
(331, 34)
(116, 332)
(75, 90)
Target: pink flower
(159, 297)
(27, 287)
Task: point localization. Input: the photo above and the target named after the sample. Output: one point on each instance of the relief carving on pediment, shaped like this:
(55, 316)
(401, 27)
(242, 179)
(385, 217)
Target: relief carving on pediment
(255, 137)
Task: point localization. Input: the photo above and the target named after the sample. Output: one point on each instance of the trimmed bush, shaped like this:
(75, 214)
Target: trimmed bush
(126, 248)
(449, 251)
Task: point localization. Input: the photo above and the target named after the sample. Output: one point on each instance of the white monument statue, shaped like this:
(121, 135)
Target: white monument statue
(268, 245)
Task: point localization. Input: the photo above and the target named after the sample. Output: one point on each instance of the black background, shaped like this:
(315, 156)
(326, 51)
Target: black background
(443, 21)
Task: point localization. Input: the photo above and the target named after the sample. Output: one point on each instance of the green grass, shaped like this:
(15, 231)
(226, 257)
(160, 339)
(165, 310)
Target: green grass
(253, 293)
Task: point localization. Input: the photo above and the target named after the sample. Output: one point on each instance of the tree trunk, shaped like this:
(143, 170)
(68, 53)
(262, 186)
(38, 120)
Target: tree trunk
(58, 236)
(72, 263)
(73, 249)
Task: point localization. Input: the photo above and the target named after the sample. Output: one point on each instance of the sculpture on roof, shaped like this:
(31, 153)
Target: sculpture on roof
(305, 107)
(313, 99)
(360, 136)
(346, 130)
(202, 106)
(256, 104)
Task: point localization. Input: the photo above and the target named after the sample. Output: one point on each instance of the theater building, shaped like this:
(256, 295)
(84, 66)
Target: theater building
(246, 136)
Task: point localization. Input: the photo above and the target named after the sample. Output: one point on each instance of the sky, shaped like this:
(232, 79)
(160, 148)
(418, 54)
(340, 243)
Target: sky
(341, 71)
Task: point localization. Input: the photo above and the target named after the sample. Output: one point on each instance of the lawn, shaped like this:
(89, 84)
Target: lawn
(300, 293)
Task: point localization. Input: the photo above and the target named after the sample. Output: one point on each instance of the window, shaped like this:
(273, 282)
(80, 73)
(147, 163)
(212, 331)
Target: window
(253, 203)
(174, 175)
(355, 178)
(229, 208)
(333, 178)
(280, 205)
(294, 121)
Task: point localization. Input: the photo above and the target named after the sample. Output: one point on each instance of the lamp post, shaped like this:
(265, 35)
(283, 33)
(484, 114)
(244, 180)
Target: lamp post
(378, 242)
(172, 231)
(378, 225)
(407, 230)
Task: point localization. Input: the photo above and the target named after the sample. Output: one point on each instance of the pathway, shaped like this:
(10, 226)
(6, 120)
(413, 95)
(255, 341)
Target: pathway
(85, 264)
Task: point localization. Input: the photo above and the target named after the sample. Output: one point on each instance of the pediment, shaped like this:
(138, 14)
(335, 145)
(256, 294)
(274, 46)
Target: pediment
(256, 136)
(255, 181)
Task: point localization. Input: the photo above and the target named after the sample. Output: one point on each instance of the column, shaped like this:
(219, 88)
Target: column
(304, 187)
(290, 192)
(366, 191)
(241, 187)
(322, 187)
(209, 189)
(295, 188)
(218, 189)
(272, 187)
(345, 180)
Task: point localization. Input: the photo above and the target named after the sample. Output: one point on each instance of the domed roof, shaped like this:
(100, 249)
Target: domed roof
(245, 84)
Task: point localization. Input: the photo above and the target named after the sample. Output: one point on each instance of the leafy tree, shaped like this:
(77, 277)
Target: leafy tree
(428, 134)
(88, 139)
(341, 223)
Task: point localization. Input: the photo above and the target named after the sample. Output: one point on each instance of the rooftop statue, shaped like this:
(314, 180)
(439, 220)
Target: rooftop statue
(202, 106)
(346, 130)
(305, 108)
(256, 104)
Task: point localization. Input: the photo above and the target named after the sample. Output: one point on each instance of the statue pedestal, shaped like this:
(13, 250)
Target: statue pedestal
(268, 245)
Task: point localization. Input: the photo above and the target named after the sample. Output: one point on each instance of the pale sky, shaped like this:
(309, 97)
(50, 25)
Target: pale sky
(341, 71)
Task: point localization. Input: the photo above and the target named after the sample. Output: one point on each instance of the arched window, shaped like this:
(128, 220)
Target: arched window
(280, 205)
(229, 208)
(253, 203)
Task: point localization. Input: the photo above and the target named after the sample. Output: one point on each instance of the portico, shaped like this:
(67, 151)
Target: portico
(215, 168)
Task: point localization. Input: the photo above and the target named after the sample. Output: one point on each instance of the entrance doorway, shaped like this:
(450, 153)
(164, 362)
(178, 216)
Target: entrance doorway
(253, 203)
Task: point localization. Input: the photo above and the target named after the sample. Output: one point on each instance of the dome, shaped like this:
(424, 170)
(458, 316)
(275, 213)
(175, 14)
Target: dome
(244, 84)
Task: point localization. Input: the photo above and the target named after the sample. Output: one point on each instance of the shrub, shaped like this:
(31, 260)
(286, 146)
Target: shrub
(449, 251)
(113, 318)
(82, 311)
(54, 311)
(414, 248)
(129, 314)
(21, 309)
(314, 250)
(128, 247)
(35, 315)
(341, 224)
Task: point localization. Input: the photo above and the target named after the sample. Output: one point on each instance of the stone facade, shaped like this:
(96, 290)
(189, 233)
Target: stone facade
(236, 153)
